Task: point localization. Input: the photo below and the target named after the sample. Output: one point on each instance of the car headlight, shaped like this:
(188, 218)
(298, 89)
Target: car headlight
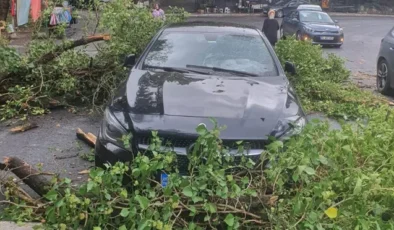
(340, 30)
(289, 127)
(309, 30)
(111, 130)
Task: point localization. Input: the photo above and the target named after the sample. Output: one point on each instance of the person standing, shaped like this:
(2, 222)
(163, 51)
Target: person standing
(157, 12)
(271, 27)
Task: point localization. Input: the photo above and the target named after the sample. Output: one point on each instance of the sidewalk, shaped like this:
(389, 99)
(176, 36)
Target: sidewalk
(196, 15)
(6, 225)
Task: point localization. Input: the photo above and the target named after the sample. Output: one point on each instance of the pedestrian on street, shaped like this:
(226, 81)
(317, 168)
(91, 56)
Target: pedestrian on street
(157, 12)
(271, 27)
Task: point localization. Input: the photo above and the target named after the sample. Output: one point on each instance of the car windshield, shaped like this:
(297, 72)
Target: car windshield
(219, 52)
(313, 16)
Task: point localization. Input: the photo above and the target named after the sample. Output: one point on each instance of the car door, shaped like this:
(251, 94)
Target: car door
(286, 25)
(387, 50)
(289, 7)
(293, 23)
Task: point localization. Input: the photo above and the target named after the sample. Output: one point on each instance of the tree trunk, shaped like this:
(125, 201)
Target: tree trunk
(4, 9)
(29, 175)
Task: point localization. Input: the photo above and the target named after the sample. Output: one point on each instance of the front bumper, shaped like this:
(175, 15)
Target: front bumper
(317, 39)
(110, 153)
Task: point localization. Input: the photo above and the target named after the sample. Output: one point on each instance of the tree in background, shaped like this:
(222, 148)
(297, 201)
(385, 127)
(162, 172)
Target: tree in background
(4, 8)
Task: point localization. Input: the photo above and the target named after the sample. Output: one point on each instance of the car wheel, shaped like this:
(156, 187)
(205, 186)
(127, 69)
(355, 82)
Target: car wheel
(279, 14)
(383, 78)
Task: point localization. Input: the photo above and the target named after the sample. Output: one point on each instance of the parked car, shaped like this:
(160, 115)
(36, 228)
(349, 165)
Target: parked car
(195, 71)
(309, 7)
(385, 65)
(283, 8)
(316, 26)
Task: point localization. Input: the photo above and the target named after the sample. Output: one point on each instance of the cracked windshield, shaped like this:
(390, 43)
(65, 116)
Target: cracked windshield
(236, 52)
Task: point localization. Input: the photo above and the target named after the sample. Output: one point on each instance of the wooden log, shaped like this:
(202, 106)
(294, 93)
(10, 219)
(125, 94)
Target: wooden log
(88, 138)
(23, 128)
(29, 175)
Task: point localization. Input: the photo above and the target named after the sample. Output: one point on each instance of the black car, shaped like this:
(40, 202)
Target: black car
(192, 72)
(284, 7)
(312, 25)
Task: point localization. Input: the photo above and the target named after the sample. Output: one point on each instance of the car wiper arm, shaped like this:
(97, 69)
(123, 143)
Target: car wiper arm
(175, 69)
(223, 70)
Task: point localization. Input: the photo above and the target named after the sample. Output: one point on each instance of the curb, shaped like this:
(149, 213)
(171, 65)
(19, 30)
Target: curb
(194, 15)
(8, 225)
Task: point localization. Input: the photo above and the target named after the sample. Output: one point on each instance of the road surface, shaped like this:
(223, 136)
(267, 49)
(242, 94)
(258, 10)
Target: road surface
(54, 143)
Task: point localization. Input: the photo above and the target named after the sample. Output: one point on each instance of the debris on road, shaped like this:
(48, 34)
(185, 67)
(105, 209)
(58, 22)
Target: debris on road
(86, 171)
(28, 174)
(88, 138)
(23, 128)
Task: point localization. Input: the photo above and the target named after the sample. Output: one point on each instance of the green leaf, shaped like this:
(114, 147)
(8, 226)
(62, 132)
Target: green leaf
(211, 207)
(323, 160)
(90, 186)
(123, 227)
(201, 129)
(125, 212)
(229, 220)
(187, 191)
(347, 148)
(143, 201)
(51, 195)
(358, 187)
(96, 228)
(309, 171)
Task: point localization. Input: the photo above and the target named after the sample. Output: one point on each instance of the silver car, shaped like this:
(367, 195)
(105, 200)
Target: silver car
(385, 74)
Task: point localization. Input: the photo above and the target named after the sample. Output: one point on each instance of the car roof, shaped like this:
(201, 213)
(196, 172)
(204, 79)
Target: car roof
(309, 7)
(209, 26)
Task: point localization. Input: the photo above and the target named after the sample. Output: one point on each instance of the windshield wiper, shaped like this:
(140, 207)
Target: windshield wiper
(223, 70)
(175, 69)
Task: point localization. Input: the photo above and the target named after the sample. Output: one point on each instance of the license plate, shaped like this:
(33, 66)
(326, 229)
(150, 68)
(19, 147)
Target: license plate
(164, 180)
(327, 38)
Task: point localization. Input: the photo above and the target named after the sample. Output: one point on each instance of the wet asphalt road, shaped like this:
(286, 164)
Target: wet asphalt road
(54, 143)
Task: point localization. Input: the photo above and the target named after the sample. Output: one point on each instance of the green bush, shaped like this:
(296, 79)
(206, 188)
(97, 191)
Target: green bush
(322, 179)
(322, 81)
(73, 78)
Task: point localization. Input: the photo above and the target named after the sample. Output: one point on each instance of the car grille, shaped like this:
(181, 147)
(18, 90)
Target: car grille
(186, 142)
(183, 161)
(327, 32)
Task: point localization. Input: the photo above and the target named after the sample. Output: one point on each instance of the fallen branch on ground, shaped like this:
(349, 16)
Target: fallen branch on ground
(29, 175)
(88, 138)
(23, 128)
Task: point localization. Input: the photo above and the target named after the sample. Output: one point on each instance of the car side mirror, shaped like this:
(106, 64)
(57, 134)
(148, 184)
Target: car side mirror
(129, 61)
(290, 68)
(295, 19)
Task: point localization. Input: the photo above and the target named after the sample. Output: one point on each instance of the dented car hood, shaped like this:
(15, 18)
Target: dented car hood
(176, 103)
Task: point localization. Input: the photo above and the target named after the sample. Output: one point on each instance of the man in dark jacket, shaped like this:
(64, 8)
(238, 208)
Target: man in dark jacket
(271, 27)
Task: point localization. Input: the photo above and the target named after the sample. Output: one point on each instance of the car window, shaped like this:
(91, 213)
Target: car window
(392, 32)
(239, 52)
(315, 16)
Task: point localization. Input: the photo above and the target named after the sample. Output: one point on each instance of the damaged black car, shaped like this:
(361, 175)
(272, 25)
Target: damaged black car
(190, 73)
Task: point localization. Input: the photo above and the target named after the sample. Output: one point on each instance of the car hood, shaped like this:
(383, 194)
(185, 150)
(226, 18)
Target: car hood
(329, 27)
(177, 103)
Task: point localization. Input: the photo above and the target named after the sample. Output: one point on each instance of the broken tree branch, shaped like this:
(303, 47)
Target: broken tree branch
(70, 45)
(23, 128)
(29, 175)
(88, 138)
